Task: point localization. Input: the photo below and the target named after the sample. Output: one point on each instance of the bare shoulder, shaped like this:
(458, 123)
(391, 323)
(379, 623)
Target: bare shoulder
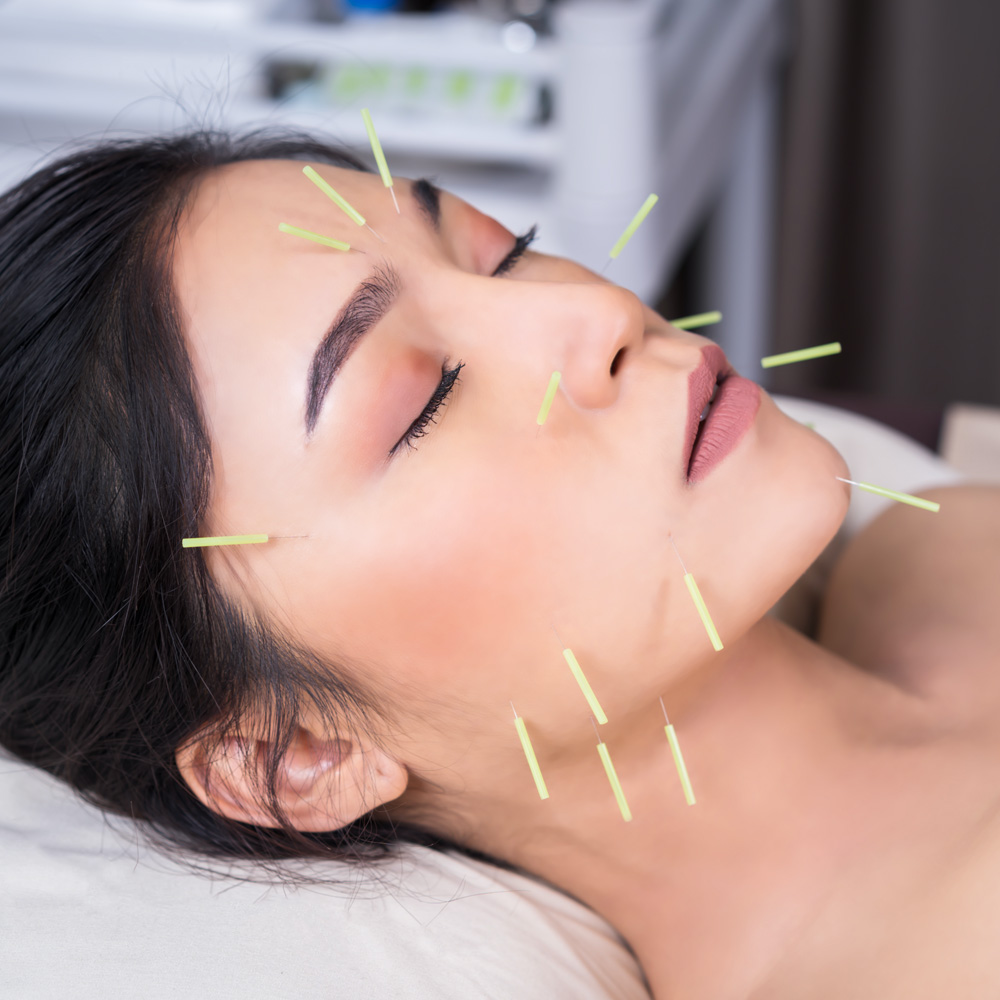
(915, 597)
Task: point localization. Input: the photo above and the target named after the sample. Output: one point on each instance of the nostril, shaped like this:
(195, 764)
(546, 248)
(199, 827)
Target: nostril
(616, 361)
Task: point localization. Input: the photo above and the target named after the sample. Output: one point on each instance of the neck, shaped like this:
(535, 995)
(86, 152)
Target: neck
(738, 870)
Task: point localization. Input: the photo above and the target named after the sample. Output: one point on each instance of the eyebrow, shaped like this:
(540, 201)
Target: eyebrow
(428, 197)
(368, 303)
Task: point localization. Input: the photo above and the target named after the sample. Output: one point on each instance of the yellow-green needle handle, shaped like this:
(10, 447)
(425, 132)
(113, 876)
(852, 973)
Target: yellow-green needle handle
(804, 355)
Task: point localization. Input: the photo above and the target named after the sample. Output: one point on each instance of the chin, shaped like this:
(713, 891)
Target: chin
(822, 505)
(789, 514)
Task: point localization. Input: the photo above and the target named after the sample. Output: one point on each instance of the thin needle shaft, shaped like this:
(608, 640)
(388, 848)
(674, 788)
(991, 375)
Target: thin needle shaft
(893, 495)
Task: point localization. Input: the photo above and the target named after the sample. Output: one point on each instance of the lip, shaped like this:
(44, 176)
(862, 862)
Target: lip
(731, 416)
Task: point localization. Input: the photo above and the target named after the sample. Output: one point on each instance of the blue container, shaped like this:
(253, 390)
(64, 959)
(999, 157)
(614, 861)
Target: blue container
(369, 6)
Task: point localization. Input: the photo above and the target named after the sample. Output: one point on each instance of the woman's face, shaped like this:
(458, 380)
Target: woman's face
(441, 566)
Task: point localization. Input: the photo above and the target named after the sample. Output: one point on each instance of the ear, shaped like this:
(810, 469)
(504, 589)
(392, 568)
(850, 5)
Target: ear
(321, 784)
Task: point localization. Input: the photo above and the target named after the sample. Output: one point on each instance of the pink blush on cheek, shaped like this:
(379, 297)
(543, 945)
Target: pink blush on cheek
(454, 589)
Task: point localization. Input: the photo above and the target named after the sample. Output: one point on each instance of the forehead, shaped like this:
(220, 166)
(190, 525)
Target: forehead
(236, 209)
(234, 272)
(254, 301)
(231, 263)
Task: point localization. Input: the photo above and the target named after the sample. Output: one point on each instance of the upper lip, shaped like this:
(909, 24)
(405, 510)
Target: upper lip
(713, 368)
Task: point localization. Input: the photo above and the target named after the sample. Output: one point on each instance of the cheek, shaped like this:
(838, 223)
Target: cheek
(461, 587)
(448, 576)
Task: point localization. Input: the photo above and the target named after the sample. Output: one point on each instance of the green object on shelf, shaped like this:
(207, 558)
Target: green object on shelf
(348, 83)
(415, 81)
(505, 92)
(379, 78)
(459, 86)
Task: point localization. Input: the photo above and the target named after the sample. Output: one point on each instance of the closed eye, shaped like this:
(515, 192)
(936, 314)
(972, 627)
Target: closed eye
(521, 243)
(449, 376)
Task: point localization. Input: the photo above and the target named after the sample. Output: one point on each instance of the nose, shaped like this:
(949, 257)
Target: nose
(606, 322)
(584, 330)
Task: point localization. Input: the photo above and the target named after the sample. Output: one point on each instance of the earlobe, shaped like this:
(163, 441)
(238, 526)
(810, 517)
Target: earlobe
(321, 784)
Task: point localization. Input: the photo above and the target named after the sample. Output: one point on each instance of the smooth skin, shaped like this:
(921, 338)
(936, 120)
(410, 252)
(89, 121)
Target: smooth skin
(435, 576)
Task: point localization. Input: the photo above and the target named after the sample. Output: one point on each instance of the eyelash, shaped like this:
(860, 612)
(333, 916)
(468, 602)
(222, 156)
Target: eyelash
(449, 376)
(521, 243)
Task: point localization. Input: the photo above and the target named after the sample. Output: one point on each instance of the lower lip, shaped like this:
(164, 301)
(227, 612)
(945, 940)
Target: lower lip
(730, 417)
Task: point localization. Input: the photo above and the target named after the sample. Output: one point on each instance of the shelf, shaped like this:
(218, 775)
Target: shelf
(458, 41)
(646, 97)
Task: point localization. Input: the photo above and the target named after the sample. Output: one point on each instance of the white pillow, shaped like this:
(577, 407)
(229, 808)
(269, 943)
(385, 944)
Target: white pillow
(88, 912)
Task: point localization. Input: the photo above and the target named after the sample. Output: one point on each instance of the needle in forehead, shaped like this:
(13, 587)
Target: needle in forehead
(383, 167)
(326, 241)
(338, 199)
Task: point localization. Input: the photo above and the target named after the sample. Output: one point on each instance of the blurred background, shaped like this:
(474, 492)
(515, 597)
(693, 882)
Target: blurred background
(827, 169)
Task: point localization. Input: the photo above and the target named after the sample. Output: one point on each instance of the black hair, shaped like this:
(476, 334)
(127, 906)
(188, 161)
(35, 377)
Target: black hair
(115, 644)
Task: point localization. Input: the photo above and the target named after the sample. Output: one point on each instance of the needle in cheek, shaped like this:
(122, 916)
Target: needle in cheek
(550, 395)
(699, 603)
(581, 680)
(212, 541)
